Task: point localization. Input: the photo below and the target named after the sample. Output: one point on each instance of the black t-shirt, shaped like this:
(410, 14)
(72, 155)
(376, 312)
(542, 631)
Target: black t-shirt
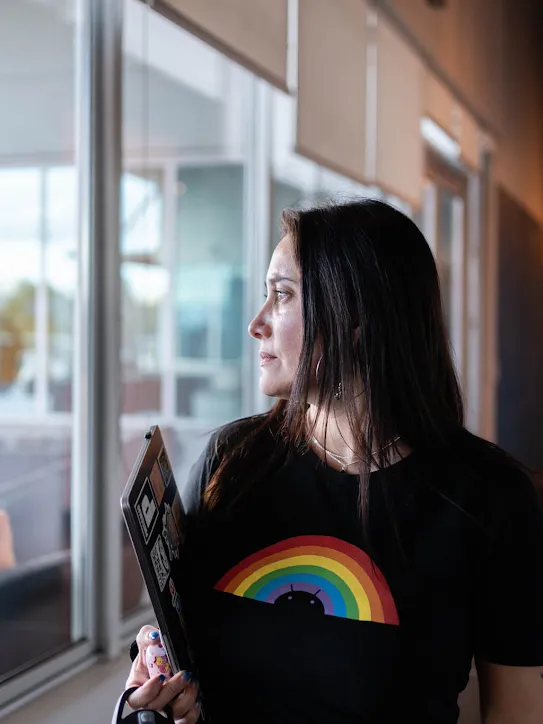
(292, 621)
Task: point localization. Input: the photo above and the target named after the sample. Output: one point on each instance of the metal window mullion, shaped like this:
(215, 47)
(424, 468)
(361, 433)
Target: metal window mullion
(83, 607)
(105, 382)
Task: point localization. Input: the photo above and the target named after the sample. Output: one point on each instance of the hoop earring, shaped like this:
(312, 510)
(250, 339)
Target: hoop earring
(317, 368)
(339, 392)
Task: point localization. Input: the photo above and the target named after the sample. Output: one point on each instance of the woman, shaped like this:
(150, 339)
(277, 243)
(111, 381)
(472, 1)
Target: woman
(352, 550)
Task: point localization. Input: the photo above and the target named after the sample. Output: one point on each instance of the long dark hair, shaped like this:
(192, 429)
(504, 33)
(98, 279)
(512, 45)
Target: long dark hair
(371, 298)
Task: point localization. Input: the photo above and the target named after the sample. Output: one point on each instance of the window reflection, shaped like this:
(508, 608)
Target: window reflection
(208, 292)
(183, 246)
(20, 215)
(38, 273)
(144, 286)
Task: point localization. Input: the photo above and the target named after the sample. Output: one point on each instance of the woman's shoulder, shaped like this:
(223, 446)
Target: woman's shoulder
(220, 441)
(235, 432)
(487, 476)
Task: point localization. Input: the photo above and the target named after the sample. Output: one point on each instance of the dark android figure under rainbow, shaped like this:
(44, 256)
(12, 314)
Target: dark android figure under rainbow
(300, 599)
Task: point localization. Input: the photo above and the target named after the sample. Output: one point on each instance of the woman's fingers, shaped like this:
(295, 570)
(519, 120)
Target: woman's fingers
(146, 694)
(186, 703)
(192, 717)
(138, 673)
(171, 689)
(145, 633)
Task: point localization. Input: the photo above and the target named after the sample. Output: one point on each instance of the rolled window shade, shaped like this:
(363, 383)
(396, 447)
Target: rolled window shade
(331, 112)
(252, 32)
(395, 156)
(440, 105)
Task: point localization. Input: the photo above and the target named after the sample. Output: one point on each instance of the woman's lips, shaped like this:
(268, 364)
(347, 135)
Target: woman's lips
(266, 358)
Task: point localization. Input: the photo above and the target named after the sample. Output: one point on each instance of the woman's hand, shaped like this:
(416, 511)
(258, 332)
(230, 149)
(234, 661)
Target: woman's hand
(180, 692)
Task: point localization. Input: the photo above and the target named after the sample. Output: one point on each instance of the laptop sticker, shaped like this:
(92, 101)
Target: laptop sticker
(147, 509)
(176, 601)
(157, 482)
(170, 533)
(157, 660)
(160, 563)
(165, 466)
(178, 516)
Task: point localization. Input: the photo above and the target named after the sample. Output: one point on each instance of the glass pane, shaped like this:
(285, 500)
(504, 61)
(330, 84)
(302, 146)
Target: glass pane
(450, 255)
(208, 284)
(183, 244)
(20, 247)
(144, 285)
(38, 233)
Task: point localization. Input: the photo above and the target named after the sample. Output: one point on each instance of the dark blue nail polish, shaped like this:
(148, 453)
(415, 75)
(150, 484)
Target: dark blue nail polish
(154, 635)
(162, 677)
(187, 675)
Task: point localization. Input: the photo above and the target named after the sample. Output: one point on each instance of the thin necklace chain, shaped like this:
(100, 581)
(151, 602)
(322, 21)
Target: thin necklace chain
(342, 459)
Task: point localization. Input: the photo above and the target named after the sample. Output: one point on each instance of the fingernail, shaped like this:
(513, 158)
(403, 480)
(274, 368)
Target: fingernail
(154, 635)
(187, 675)
(162, 677)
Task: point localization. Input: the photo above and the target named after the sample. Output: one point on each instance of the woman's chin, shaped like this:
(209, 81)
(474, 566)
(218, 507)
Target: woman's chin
(268, 388)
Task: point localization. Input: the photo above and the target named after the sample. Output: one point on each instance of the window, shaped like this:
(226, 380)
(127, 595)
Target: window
(443, 218)
(184, 245)
(450, 218)
(40, 597)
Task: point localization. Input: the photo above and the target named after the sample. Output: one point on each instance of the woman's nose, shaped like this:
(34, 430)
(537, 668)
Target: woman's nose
(259, 328)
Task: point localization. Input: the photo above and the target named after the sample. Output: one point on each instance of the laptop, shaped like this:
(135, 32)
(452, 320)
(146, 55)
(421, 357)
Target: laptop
(155, 518)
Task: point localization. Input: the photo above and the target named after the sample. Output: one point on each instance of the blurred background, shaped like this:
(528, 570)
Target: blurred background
(146, 151)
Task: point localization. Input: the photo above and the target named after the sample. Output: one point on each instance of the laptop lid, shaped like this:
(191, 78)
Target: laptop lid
(155, 519)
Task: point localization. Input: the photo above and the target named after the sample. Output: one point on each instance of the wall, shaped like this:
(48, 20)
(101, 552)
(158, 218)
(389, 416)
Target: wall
(463, 39)
(488, 52)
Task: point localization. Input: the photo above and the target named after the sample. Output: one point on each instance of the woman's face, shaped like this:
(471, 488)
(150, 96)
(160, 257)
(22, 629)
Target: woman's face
(279, 324)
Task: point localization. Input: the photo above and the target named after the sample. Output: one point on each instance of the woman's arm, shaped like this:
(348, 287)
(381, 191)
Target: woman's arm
(510, 694)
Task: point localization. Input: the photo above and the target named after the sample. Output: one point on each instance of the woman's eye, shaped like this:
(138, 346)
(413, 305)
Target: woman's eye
(278, 293)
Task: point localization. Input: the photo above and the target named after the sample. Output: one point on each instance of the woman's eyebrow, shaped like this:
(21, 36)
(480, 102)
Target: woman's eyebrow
(274, 278)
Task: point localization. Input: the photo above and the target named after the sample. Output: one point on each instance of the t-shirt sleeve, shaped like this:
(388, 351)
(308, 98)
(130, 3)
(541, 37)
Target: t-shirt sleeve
(509, 606)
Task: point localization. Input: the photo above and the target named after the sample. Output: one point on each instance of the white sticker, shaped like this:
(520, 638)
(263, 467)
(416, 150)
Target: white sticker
(165, 466)
(147, 509)
(170, 532)
(176, 601)
(160, 563)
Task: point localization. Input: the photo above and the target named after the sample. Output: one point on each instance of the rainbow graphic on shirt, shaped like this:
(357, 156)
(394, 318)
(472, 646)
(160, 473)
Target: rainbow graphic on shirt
(321, 573)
